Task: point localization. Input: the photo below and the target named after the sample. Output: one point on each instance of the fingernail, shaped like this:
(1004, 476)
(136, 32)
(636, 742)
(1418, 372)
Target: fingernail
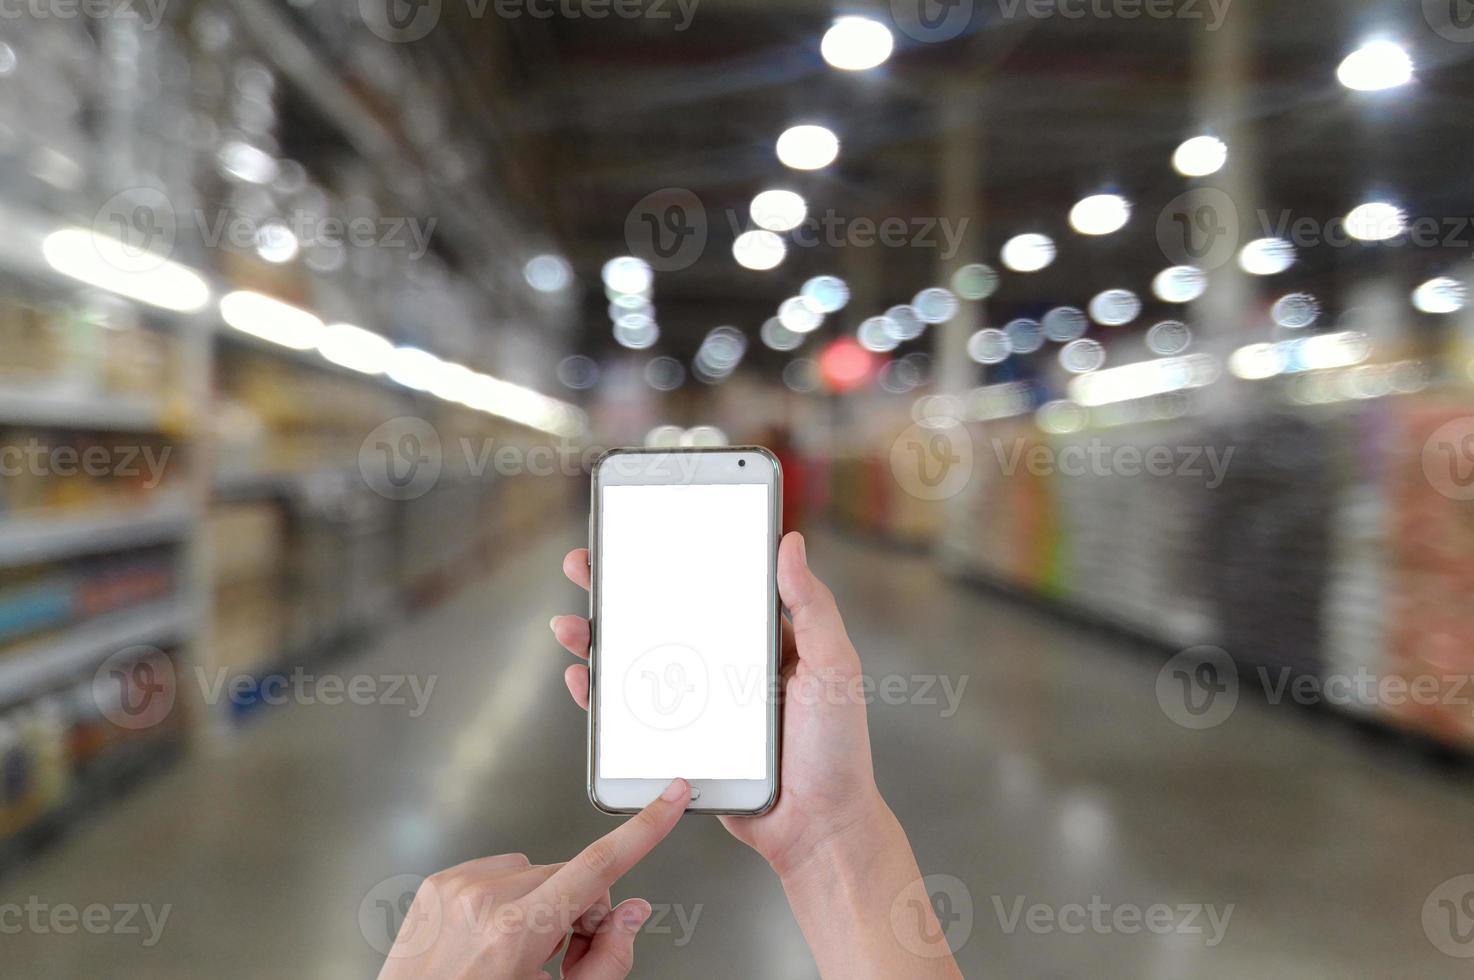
(803, 551)
(553, 624)
(632, 916)
(674, 791)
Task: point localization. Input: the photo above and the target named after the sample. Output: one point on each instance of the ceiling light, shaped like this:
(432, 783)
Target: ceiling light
(1375, 221)
(1180, 284)
(778, 210)
(547, 273)
(828, 293)
(1200, 156)
(799, 314)
(270, 319)
(807, 147)
(627, 274)
(758, 250)
(1028, 253)
(1439, 296)
(1100, 214)
(355, 348)
(856, 43)
(123, 269)
(1376, 66)
(1266, 256)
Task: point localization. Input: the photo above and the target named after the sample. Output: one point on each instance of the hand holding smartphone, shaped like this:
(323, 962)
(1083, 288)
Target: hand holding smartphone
(686, 640)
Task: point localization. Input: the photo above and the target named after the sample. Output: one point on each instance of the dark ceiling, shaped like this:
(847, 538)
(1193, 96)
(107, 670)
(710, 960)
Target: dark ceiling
(577, 120)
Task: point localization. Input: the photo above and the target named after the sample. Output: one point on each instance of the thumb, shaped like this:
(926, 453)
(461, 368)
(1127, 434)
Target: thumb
(611, 956)
(818, 629)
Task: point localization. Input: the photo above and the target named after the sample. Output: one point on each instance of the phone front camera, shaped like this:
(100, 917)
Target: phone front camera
(742, 462)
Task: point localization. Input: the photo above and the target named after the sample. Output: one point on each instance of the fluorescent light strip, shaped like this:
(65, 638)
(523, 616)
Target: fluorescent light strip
(1143, 379)
(138, 274)
(270, 319)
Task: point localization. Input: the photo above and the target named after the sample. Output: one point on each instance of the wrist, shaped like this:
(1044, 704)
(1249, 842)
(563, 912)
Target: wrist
(844, 848)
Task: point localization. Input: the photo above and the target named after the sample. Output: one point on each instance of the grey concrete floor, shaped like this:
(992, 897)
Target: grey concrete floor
(1057, 782)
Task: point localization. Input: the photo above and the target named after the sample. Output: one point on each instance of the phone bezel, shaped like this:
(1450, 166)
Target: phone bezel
(664, 467)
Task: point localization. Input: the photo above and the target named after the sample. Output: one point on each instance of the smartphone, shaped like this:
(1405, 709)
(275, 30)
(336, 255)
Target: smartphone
(686, 635)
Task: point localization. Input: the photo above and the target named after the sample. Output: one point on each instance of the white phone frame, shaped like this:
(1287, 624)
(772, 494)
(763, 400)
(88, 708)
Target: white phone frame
(664, 467)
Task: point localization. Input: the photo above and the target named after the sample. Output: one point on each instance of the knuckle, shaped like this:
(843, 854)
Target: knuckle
(602, 856)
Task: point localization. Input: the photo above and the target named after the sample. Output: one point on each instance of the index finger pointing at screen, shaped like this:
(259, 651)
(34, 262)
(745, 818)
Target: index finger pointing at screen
(587, 878)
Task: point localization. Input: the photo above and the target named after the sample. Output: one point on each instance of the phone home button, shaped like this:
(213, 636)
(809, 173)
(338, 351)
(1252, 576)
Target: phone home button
(695, 793)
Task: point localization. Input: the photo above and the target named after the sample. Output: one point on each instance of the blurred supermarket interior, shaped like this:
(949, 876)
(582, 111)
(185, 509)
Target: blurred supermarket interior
(1118, 354)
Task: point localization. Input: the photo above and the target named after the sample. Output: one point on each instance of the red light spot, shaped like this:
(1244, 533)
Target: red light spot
(844, 365)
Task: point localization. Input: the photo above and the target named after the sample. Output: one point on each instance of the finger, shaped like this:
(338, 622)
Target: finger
(496, 866)
(818, 630)
(611, 956)
(583, 932)
(577, 679)
(572, 634)
(576, 567)
(583, 880)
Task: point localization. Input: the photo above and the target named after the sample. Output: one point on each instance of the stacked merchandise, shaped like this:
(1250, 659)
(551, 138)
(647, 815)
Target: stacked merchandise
(1326, 550)
(82, 739)
(1430, 621)
(1268, 532)
(40, 600)
(51, 472)
(244, 545)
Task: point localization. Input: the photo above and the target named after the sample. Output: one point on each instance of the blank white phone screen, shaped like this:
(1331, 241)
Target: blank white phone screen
(683, 632)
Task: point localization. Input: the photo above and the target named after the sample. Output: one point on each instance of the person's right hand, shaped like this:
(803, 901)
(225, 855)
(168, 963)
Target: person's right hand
(827, 779)
(503, 918)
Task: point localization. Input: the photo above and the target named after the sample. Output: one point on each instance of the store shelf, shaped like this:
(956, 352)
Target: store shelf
(25, 539)
(50, 406)
(23, 670)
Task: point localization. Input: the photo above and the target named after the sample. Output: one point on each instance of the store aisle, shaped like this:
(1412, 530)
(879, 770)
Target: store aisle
(1056, 780)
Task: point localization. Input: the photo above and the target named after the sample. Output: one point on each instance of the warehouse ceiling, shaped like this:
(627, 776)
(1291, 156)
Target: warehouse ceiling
(576, 120)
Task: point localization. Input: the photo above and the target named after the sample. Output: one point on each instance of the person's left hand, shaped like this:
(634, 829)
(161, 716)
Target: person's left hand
(500, 918)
